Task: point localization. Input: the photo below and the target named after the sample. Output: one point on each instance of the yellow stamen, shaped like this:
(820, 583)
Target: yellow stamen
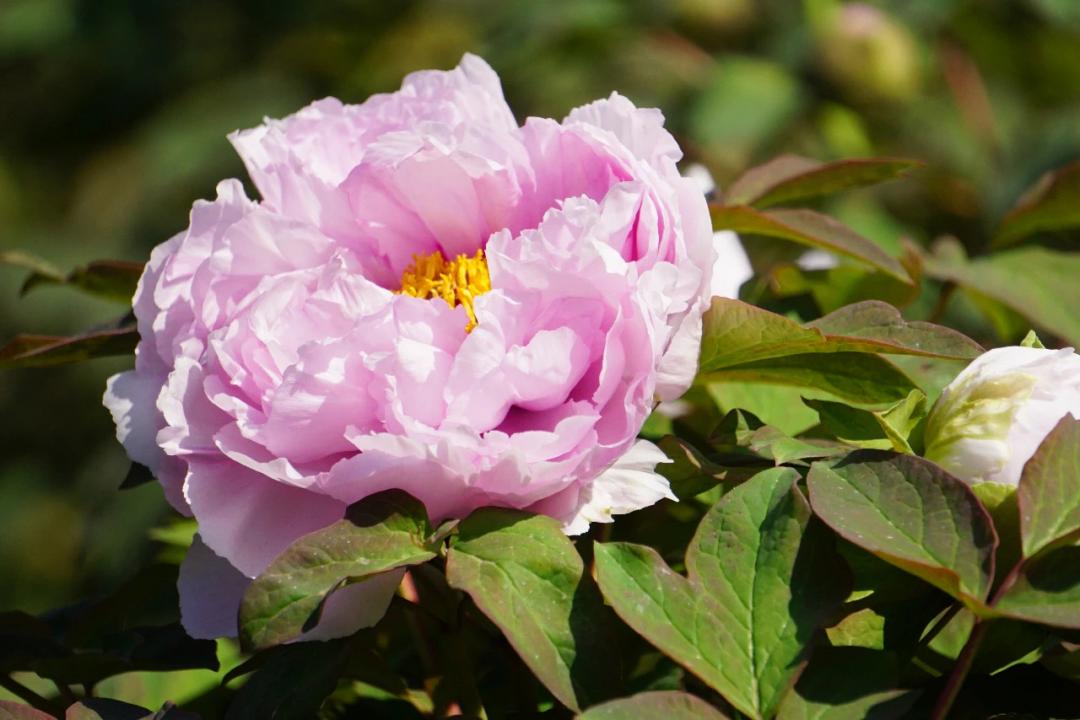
(457, 282)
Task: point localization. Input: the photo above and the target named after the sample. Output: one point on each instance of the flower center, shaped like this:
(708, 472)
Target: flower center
(457, 281)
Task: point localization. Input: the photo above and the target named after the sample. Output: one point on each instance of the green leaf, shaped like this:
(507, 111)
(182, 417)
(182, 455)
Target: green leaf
(381, 532)
(1038, 283)
(811, 228)
(1049, 491)
(900, 421)
(1063, 660)
(15, 711)
(46, 350)
(911, 513)
(1047, 591)
(114, 280)
(669, 705)
(862, 628)
(776, 405)
(853, 377)
(106, 709)
(762, 580)
(526, 576)
(1052, 204)
(874, 326)
(736, 333)
(1001, 502)
(843, 683)
(690, 473)
(133, 629)
(790, 177)
(292, 681)
(888, 429)
(1031, 340)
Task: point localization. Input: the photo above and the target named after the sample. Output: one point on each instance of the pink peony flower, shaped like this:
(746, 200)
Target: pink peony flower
(428, 297)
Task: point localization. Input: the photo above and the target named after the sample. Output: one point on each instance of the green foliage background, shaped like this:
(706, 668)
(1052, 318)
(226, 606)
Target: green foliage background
(113, 118)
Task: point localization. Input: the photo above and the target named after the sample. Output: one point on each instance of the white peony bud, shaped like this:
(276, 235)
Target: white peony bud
(990, 420)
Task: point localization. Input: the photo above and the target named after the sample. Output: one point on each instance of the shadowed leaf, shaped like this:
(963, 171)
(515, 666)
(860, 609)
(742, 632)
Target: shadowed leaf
(849, 682)
(1052, 204)
(1047, 591)
(46, 350)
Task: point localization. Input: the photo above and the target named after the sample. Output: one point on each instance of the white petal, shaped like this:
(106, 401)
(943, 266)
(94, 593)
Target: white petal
(731, 267)
(630, 484)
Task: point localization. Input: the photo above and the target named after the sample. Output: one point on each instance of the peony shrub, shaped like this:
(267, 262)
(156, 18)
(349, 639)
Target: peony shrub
(399, 397)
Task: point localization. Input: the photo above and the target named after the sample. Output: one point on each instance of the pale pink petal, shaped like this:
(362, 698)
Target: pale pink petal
(210, 593)
(628, 485)
(248, 518)
(355, 606)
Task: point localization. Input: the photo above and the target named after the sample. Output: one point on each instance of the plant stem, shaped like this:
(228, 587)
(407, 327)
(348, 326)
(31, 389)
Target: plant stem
(69, 696)
(21, 691)
(959, 672)
(971, 648)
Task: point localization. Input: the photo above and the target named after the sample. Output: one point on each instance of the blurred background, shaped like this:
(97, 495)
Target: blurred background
(113, 118)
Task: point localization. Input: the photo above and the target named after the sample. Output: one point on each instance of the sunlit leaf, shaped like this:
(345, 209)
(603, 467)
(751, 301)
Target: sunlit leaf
(911, 513)
(1049, 491)
(811, 228)
(526, 576)
(761, 582)
(1038, 283)
(379, 533)
(790, 177)
(667, 705)
(1047, 591)
(736, 333)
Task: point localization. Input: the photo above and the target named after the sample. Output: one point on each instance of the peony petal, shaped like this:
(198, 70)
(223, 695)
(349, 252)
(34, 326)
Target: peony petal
(131, 398)
(355, 606)
(732, 267)
(210, 593)
(628, 485)
(247, 518)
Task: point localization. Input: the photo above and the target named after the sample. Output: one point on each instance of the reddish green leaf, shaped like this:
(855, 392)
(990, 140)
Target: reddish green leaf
(1052, 204)
(1049, 492)
(668, 705)
(911, 513)
(1047, 591)
(807, 227)
(381, 532)
(15, 711)
(790, 177)
(526, 576)
(736, 332)
(1035, 282)
(762, 581)
(46, 350)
